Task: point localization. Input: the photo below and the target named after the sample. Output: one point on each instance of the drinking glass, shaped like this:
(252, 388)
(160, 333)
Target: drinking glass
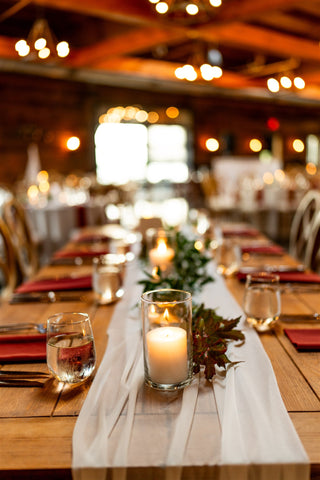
(262, 302)
(107, 278)
(228, 257)
(71, 356)
(167, 338)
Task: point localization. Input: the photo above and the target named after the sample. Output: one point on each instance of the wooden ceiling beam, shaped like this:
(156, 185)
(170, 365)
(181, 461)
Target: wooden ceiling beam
(136, 41)
(261, 40)
(7, 49)
(127, 11)
(246, 9)
(287, 22)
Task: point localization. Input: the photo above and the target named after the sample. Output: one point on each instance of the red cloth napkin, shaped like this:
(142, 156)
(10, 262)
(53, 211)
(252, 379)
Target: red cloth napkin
(46, 285)
(264, 250)
(304, 339)
(80, 253)
(22, 348)
(240, 232)
(288, 277)
(91, 238)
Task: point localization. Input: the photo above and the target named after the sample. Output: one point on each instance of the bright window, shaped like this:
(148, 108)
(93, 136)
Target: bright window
(121, 152)
(132, 152)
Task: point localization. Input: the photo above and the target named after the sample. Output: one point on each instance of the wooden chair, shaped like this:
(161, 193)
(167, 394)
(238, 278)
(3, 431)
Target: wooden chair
(301, 226)
(8, 272)
(312, 257)
(24, 247)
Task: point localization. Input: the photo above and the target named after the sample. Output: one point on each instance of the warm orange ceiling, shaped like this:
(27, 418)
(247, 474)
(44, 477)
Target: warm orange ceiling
(127, 43)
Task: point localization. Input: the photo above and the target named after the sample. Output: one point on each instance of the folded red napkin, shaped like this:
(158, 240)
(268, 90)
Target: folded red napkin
(304, 339)
(22, 348)
(240, 232)
(264, 250)
(81, 253)
(288, 277)
(91, 238)
(55, 284)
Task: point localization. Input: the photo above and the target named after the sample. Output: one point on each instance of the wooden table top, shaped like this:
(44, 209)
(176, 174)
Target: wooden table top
(36, 424)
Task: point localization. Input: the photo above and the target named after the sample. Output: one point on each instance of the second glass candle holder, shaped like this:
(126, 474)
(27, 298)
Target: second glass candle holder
(160, 247)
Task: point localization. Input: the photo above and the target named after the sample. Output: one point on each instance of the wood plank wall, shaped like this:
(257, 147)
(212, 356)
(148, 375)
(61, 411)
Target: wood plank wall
(46, 111)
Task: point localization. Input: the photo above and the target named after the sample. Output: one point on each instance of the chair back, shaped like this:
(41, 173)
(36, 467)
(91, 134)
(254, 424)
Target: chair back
(8, 271)
(24, 247)
(302, 224)
(312, 257)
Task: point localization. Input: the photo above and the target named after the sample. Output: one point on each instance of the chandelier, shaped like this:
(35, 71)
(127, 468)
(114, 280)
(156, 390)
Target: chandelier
(189, 7)
(204, 63)
(41, 43)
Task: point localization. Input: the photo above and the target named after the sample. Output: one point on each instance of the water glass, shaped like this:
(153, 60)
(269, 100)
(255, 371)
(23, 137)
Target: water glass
(167, 338)
(262, 302)
(228, 257)
(71, 356)
(107, 278)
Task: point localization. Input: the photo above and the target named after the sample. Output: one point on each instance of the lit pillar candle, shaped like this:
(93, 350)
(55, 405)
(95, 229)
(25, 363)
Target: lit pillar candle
(161, 255)
(167, 355)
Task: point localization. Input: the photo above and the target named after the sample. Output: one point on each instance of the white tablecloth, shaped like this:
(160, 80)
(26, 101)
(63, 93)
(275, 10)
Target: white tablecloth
(237, 427)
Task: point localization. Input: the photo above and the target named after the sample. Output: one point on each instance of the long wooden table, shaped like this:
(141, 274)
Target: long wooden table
(36, 424)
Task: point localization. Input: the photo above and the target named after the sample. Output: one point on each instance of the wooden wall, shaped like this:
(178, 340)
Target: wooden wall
(47, 111)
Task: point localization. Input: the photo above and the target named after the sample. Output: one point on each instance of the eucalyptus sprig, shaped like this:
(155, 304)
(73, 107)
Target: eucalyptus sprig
(211, 335)
(188, 271)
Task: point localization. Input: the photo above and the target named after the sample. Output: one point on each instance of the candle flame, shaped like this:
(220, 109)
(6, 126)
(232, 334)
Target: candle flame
(166, 316)
(162, 246)
(155, 273)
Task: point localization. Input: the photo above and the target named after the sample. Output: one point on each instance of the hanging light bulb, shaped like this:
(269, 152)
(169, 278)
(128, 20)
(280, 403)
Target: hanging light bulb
(190, 73)
(40, 43)
(207, 72)
(273, 85)
(285, 82)
(22, 48)
(63, 49)
(162, 7)
(192, 9)
(299, 83)
(44, 53)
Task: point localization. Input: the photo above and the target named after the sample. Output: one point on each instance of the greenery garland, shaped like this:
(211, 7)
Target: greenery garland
(211, 333)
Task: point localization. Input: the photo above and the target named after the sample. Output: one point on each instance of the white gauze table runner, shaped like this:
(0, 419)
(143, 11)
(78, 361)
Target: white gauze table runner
(237, 426)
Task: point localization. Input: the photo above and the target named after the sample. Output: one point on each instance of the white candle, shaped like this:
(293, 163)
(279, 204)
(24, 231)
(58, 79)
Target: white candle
(161, 255)
(167, 355)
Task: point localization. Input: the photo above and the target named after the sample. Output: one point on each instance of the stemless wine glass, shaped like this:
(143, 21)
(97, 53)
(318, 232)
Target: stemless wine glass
(262, 303)
(71, 356)
(107, 278)
(228, 257)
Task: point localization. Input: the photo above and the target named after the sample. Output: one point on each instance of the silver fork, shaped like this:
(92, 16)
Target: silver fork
(14, 327)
